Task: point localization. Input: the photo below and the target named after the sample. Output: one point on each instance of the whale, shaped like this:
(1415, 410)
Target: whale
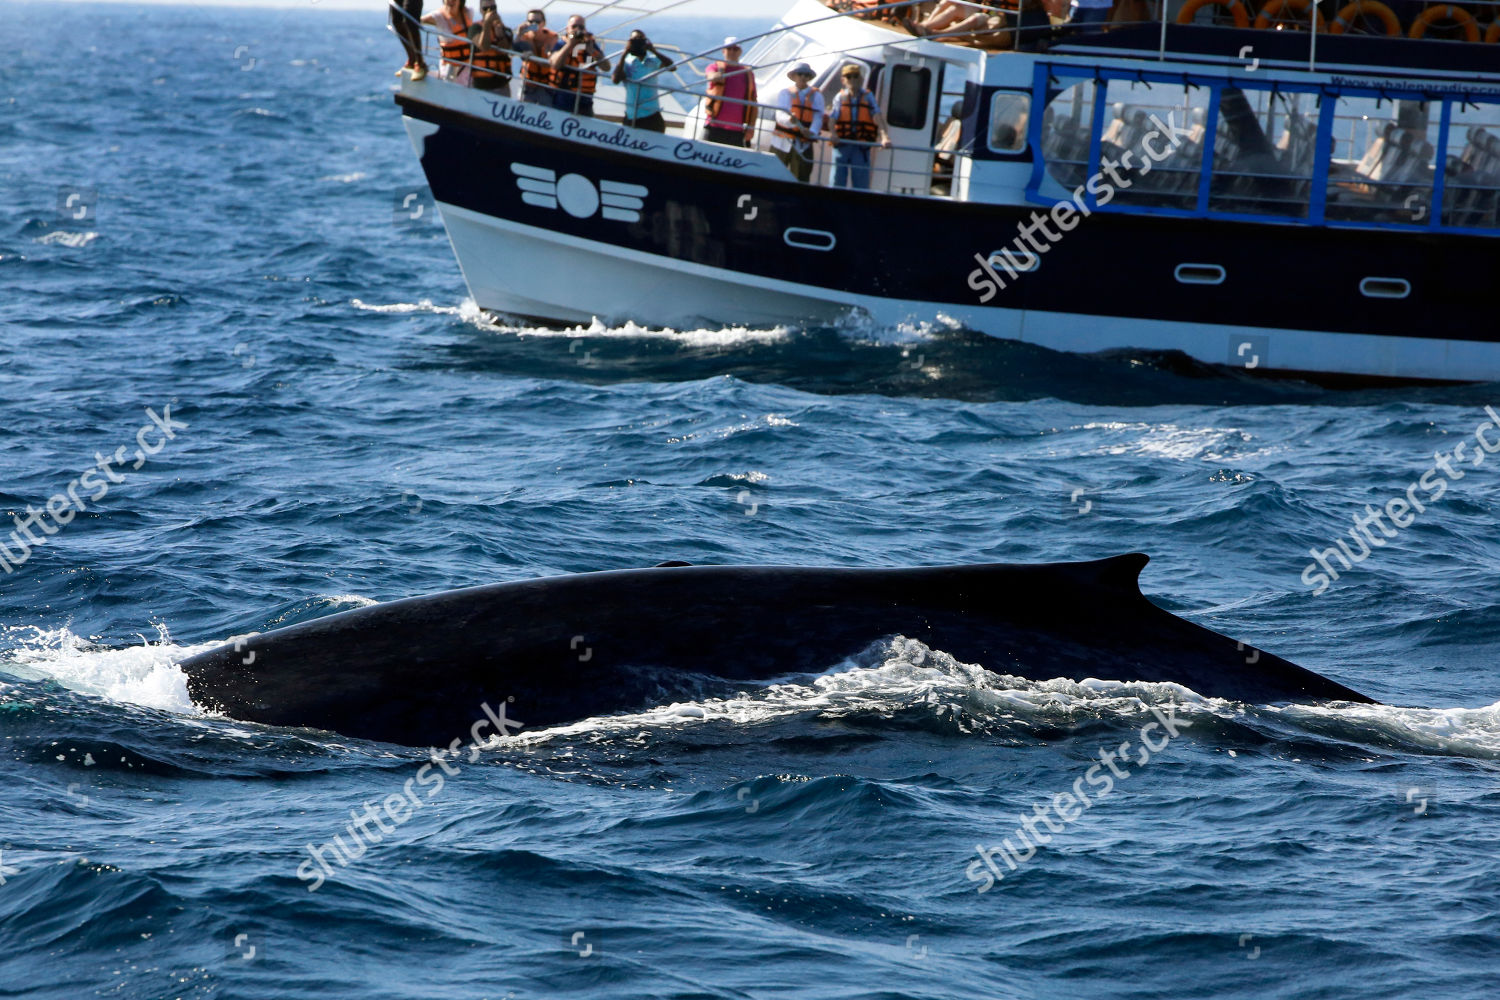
(423, 671)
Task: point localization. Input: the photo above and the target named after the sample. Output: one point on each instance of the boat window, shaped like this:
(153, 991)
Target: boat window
(1384, 161)
(1067, 124)
(777, 53)
(1010, 118)
(1471, 193)
(1264, 152)
(1155, 133)
(910, 88)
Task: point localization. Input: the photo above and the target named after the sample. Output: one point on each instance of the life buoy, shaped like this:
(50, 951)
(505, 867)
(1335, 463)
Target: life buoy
(1446, 12)
(1363, 9)
(1239, 11)
(1493, 35)
(1270, 14)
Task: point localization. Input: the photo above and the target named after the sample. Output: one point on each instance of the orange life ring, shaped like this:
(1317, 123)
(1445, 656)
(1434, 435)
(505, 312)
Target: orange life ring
(1446, 12)
(1493, 35)
(1271, 13)
(1367, 8)
(1235, 7)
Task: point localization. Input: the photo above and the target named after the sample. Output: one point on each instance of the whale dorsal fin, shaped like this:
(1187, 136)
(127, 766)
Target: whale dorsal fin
(671, 564)
(1122, 572)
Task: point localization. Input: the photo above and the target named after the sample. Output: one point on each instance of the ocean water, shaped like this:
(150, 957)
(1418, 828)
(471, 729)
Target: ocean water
(356, 432)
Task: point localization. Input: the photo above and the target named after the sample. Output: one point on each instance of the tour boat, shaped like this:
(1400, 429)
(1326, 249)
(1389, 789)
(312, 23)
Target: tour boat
(1283, 188)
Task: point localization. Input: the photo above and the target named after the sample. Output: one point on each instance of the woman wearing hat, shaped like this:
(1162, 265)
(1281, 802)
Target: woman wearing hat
(799, 119)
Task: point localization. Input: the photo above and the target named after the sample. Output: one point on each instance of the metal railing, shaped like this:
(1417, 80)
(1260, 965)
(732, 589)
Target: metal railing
(691, 95)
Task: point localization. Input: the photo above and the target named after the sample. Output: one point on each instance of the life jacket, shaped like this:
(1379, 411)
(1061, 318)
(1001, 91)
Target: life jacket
(571, 77)
(856, 119)
(802, 110)
(731, 114)
(457, 51)
(535, 69)
(496, 60)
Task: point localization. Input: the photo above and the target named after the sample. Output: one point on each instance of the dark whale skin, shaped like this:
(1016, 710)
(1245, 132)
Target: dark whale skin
(417, 671)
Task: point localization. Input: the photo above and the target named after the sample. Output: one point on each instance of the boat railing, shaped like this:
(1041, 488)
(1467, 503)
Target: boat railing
(685, 86)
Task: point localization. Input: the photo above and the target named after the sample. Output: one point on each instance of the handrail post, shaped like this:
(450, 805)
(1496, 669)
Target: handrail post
(1312, 56)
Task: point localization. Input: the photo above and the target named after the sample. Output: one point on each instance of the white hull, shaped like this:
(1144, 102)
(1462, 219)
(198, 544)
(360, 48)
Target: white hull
(533, 272)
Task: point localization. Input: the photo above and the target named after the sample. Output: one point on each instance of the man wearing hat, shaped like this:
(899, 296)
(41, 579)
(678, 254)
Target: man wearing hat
(856, 120)
(799, 119)
(732, 110)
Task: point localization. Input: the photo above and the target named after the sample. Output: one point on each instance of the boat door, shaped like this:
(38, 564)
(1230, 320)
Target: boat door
(909, 91)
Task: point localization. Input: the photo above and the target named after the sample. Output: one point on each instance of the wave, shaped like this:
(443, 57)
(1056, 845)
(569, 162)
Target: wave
(899, 684)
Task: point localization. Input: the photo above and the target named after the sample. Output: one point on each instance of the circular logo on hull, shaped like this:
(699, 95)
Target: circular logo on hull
(578, 196)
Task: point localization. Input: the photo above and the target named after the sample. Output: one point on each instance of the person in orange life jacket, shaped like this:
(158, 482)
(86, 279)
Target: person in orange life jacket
(535, 41)
(492, 63)
(640, 62)
(404, 17)
(855, 118)
(454, 21)
(799, 119)
(732, 113)
(577, 61)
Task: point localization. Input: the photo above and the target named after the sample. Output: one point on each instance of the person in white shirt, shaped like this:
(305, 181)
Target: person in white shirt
(455, 22)
(799, 120)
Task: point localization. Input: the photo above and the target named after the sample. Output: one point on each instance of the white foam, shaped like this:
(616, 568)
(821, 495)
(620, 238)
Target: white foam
(66, 239)
(1463, 732)
(470, 312)
(909, 674)
(144, 675)
(345, 178)
(407, 307)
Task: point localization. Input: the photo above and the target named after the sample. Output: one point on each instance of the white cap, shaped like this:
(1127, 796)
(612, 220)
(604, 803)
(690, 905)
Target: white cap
(731, 42)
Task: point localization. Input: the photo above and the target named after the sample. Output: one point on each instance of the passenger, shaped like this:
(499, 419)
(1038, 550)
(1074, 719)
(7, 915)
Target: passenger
(799, 119)
(404, 17)
(1091, 15)
(856, 118)
(642, 103)
(492, 68)
(454, 21)
(576, 63)
(728, 120)
(535, 41)
(957, 18)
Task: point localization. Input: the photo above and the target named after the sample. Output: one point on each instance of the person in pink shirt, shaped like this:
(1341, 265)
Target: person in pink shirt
(729, 82)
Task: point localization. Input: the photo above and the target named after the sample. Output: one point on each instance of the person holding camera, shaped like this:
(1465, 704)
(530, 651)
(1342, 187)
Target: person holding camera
(642, 101)
(576, 63)
(492, 65)
(535, 42)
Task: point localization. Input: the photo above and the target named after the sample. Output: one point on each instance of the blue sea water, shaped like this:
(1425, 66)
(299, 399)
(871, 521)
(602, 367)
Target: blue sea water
(356, 432)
